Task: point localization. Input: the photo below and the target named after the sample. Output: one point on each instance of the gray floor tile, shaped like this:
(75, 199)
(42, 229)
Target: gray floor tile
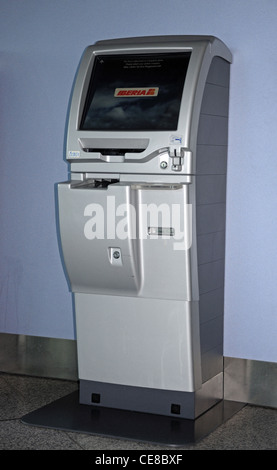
(16, 436)
(253, 428)
(11, 403)
(22, 394)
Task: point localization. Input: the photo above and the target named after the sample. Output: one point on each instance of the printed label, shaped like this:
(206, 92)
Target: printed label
(73, 154)
(176, 140)
(134, 92)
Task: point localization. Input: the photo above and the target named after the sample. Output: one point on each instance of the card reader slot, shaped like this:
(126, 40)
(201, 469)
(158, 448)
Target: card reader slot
(93, 183)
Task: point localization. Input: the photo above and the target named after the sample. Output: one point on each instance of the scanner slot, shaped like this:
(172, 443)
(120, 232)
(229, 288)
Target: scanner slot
(115, 152)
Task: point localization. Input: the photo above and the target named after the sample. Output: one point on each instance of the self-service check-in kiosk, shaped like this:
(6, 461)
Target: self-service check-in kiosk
(142, 222)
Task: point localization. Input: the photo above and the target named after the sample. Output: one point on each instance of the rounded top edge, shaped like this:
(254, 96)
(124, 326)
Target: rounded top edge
(153, 39)
(216, 44)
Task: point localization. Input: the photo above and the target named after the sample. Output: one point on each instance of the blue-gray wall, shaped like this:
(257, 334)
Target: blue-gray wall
(41, 42)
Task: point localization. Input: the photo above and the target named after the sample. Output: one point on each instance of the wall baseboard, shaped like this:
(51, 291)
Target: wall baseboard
(247, 381)
(38, 356)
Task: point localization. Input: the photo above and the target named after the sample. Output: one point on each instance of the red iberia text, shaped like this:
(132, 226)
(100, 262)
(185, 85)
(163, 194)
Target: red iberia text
(120, 92)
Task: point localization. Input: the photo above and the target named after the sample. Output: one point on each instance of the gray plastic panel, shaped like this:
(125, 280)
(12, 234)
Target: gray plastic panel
(211, 247)
(211, 160)
(211, 333)
(219, 73)
(141, 342)
(211, 276)
(211, 304)
(211, 189)
(213, 130)
(210, 218)
(210, 214)
(214, 100)
(212, 362)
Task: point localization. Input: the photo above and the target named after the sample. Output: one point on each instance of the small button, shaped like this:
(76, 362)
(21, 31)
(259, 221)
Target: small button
(163, 165)
(115, 256)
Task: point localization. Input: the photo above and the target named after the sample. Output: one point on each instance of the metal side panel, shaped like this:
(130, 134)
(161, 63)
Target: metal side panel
(139, 342)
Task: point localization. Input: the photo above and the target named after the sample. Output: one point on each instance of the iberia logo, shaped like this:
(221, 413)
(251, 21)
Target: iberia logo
(133, 92)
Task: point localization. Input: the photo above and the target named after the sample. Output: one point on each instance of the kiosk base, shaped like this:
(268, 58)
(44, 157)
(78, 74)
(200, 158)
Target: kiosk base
(68, 414)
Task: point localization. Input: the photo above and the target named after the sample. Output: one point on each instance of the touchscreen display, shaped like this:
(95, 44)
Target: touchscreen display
(140, 92)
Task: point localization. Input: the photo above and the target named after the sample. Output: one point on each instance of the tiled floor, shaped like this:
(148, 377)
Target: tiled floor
(251, 428)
